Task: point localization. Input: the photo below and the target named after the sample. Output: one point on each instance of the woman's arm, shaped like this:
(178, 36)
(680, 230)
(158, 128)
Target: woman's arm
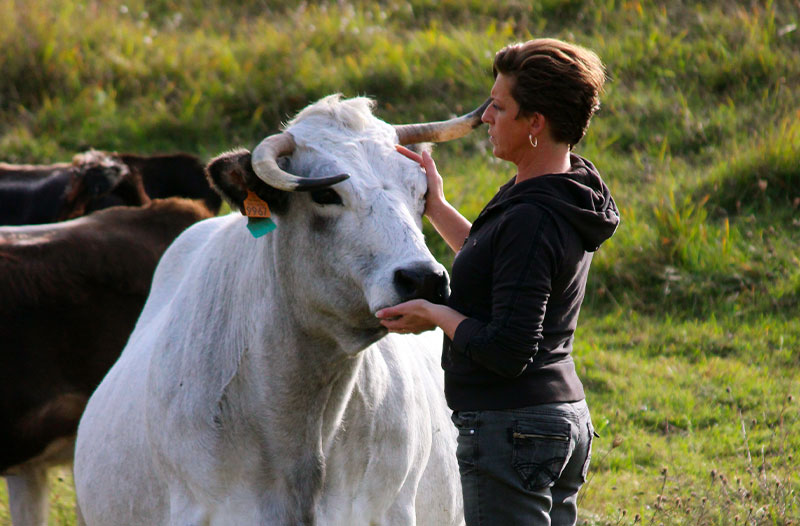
(520, 292)
(527, 253)
(448, 222)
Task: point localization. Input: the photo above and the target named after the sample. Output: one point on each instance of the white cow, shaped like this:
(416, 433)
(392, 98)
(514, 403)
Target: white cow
(258, 388)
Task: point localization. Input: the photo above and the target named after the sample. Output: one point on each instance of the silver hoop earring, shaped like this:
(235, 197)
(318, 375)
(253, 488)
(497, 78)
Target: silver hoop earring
(533, 140)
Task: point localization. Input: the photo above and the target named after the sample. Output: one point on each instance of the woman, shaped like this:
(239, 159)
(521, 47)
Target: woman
(518, 281)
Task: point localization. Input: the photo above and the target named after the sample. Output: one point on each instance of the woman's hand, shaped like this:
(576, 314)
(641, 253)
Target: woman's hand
(452, 226)
(409, 317)
(435, 195)
(418, 315)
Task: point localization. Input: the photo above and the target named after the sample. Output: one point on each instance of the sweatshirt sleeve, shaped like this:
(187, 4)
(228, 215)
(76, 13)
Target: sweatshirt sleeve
(524, 261)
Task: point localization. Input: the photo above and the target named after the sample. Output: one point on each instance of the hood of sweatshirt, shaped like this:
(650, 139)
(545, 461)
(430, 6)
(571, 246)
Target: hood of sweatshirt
(580, 196)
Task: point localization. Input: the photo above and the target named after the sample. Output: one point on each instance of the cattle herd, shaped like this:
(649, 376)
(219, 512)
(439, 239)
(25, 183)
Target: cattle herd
(196, 373)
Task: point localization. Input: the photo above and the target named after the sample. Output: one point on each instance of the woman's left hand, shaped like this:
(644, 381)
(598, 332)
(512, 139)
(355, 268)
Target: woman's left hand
(410, 317)
(417, 316)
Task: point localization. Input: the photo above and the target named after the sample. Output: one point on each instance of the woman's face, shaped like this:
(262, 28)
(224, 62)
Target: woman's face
(507, 133)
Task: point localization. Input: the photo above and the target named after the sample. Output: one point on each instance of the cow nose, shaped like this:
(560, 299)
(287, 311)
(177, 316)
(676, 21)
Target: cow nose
(422, 282)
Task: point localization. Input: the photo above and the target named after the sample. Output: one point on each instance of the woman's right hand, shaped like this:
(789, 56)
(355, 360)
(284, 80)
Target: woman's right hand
(451, 225)
(435, 195)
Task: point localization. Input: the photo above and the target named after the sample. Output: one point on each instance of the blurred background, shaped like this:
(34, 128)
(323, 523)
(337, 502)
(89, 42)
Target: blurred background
(689, 342)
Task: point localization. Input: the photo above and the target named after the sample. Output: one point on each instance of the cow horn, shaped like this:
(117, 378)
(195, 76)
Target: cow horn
(264, 161)
(441, 131)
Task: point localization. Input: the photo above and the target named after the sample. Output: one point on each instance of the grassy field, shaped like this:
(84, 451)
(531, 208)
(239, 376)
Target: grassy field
(689, 342)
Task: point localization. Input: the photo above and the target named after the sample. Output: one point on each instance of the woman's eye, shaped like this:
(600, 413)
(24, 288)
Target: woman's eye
(326, 197)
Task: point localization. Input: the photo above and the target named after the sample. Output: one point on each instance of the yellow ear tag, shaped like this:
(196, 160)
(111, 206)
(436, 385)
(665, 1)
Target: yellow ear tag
(257, 212)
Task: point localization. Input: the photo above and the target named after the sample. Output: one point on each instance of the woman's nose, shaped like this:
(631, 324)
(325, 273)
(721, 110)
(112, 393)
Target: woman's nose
(485, 117)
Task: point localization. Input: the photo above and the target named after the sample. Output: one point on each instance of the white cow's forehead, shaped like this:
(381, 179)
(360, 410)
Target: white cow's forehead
(354, 114)
(336, 121)
(346, 137)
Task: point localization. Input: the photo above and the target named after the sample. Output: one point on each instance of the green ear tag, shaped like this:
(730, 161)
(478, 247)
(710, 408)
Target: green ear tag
(258, 226)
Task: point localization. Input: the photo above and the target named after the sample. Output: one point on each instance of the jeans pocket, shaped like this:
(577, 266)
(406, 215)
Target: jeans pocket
(467, 446)
(585, 469)
(540, 452)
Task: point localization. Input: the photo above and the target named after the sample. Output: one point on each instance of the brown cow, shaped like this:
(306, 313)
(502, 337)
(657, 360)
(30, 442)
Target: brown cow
(165, 175)
(37, 194)
(173, 175)
(70, 294)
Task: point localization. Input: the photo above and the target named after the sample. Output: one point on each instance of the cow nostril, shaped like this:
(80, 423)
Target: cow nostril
(407, 282)
(442, 289)
(412, 283)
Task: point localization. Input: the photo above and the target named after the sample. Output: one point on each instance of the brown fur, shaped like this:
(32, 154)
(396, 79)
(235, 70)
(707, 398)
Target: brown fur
(70, 296)
(61, 413)
(48, 193)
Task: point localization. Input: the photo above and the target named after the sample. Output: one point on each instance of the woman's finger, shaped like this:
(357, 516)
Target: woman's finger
(395, 325)
(388, 312)
(396, 310)
(417, 158)
(429, 164)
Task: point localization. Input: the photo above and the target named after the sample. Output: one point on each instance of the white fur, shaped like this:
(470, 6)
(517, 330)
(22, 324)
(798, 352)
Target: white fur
(258, 386)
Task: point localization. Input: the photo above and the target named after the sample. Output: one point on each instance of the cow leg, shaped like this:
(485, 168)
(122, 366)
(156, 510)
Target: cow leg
(28, 487)
(28, 496)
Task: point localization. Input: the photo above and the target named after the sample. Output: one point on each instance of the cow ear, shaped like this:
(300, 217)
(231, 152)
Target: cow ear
(232, 176)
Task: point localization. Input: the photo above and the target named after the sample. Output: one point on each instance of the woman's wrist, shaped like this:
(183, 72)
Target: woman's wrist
(434, 206)
(445, 317)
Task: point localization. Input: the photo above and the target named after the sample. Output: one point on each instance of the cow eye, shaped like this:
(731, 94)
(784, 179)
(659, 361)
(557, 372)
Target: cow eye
(326, 197)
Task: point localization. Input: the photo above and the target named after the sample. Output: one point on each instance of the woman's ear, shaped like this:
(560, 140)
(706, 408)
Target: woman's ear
(538, 122)
(232, 176)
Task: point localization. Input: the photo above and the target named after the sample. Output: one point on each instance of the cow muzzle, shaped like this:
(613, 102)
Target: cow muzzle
(422, 282)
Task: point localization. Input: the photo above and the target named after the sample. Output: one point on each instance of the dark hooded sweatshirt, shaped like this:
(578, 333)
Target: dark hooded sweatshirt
(520, 278)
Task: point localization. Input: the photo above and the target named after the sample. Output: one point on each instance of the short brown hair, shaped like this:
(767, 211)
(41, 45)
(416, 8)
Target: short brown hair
(562, 81)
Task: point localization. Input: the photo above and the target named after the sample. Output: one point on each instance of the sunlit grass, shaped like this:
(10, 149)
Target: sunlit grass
(700, 402)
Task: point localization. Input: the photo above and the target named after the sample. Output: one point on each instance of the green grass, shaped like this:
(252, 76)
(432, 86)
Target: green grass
(676, 401)
(689, 342)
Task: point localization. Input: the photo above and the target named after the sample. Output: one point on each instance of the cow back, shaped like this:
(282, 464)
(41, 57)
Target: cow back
(71, 293)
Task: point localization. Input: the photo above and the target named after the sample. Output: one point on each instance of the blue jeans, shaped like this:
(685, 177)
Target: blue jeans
(523, 466)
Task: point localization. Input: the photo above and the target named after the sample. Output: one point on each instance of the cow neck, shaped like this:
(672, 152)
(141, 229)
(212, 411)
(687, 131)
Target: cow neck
(321, 389)
(319, 354)
(317, 368)
(314, 386)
